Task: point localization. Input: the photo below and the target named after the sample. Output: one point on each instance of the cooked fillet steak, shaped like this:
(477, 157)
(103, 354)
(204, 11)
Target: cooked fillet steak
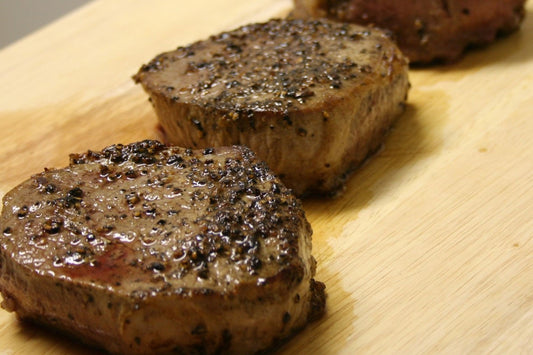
(143, 249)
(426, 30)
(311, 98)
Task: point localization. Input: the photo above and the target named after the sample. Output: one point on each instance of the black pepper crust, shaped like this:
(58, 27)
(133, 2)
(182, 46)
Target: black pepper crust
(312, 98)
(144, 248)
(158, 218)
(274, 66)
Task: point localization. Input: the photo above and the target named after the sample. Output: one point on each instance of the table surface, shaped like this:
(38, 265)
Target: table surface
(430, 248)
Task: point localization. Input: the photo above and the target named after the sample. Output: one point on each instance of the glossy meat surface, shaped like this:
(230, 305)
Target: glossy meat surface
(157, 249)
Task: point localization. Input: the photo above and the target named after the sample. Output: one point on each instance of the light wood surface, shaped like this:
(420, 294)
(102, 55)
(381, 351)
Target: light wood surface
(429, 250)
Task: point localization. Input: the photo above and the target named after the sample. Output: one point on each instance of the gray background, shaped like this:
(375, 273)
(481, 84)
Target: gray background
(21, 17)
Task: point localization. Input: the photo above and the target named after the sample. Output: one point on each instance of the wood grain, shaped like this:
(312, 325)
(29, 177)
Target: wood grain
(430, 248)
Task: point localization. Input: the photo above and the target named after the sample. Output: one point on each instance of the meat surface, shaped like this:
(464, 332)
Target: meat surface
(144, 248)
(312, 98)
(426, 30)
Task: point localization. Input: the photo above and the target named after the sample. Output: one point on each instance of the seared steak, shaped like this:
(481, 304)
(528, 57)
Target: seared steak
(311, 98)
(144, 248)
(427, 30)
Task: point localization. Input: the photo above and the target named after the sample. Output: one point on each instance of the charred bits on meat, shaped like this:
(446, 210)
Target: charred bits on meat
(53, 225)
(73, 198)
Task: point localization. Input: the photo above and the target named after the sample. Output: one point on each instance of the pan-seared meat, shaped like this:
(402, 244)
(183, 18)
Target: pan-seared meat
(144, 248)
(311, 98)
(426, 30)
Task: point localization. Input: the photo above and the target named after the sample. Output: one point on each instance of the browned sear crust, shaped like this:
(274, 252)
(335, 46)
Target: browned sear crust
(427, 31)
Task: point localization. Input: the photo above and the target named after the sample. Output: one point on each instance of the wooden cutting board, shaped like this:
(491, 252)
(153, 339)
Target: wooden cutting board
(429, 250)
